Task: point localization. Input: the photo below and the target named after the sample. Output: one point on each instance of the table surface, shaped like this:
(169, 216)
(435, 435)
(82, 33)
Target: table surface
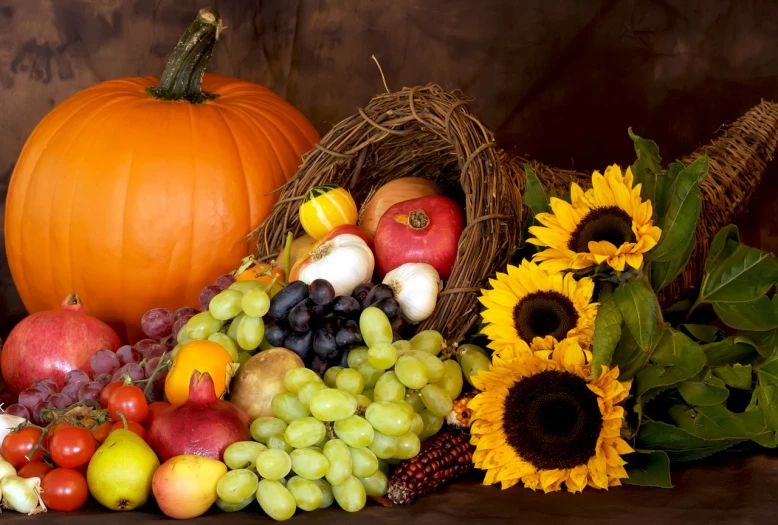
(725, 489)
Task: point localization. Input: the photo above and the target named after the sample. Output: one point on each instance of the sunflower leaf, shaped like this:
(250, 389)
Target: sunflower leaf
(717, 422)
(767, 390)
(680, 446)
(640, 310)
(648, 468)
(765, 342)
(704, 393)
(730, 351)
(737, 375)
(724, 243)
(663, 184)
(683, 210)
(662, 273)
(607, 330)
(702, 332)
(675, 359)
(647, 166)
(534, 194)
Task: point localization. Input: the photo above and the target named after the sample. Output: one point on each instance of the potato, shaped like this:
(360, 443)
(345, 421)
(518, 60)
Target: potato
(260, 379)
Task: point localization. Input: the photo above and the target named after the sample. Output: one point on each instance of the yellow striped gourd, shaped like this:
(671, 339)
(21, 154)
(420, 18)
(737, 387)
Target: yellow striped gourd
(325, 208)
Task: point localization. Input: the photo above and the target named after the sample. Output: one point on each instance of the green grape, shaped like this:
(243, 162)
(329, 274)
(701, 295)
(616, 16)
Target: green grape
(402, 346)
(326, 493)
(331, 404)
(309, 463)
(225, 342)
(255, 302)
(436, 400)
(243, 357)
(286, 406)
(432, 424)
(375, 485)
(375, 327)
(243, 454)
(364, 462)
(295, 378)
(273, 464)
(384, 466)
(411, 372)
(237, 485)
(330, 375)
(428, 341)
(307, 392)
(382, 356)
(251, 330)
(435, 368)
(413, 398)
(282, 481)
(304, 432)
(234, 507)
(356, 356)
(278, 442)
(370, 374)
(363, 401)
(369, 393)
(319, 445)
(389, 388)
(226, 304)
(307, 494)
(264, 345)
(232, 330)
(264, 427)
(404, 405)
(276, 500)
(452, 381)
(408, 445)
(417, 424)
(383, 446)
(245, 286)
(350, 381)
(472, 359)
(202, 325)
(174, 352)
(388, 418)
(355, 431)
(350, 495)
(337, 453)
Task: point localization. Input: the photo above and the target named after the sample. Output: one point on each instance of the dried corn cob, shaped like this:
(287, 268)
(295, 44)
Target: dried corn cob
(459, 417)
(442, 459)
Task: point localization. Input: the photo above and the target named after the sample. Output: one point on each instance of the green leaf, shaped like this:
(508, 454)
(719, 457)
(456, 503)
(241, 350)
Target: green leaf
(766, 342)
(767, 390)
(662, 273)
(722, 246)
(680, 445)
(647, 166)
(736, 376)
(648, 468)
(717, 422)
(607, 331)
(704, 393)
(663, 184)
(702, 332)
(683, 211)
(534, 194)
(729, 351)
(640, 310)
(675, 359)
(628, 357)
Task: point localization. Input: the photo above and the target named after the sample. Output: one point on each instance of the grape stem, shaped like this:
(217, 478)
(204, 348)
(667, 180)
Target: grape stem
(59, 415)
(150, 380)
(288, 255)
(330, 430)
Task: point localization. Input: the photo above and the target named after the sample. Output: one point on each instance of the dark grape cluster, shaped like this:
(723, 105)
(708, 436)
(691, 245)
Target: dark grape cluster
(320, 327)
(45, 394)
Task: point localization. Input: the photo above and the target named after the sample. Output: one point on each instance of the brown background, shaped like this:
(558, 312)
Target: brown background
(559, 80)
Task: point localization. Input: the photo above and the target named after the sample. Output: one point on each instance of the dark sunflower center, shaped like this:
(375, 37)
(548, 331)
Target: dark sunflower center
(544, 313)
(609, 223)
(552, 420)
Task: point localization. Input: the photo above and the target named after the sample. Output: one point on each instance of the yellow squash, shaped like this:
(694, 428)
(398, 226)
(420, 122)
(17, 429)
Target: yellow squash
(325, 208)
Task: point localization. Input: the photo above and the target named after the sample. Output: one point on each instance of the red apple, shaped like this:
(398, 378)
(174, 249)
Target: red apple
(423, 230)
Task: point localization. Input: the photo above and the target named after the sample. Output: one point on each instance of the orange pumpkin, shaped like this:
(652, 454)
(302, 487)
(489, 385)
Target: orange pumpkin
(138, 192)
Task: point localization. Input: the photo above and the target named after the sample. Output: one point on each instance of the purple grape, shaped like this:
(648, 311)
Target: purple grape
(157, 350)
(128, 354)
(186, 310)
(61, 400)
(48, 384)
(37, 412)
(18, 410)
(157, 323)
(208, 293)
(71, 389)
(76, 376)
(30, 398)
(90, 391)
(104, 362)
(224, 281)
(180, 323)
(103, 379)
(134, 370)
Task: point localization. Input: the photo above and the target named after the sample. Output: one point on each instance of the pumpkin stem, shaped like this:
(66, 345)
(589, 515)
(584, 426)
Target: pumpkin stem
(185, 70)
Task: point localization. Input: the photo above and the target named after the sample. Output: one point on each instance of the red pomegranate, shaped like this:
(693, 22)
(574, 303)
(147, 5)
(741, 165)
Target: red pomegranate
(52, 343)
(204, 425)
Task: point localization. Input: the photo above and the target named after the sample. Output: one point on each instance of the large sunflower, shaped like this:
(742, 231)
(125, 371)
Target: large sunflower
(538, 421)
(538, 307)
(609, 223)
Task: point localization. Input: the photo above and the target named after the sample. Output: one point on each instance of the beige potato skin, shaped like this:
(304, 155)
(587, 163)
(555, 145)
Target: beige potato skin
(260, 379)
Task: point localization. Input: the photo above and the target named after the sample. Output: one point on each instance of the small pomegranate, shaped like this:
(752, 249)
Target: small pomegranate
(52, 343)
(204, 425)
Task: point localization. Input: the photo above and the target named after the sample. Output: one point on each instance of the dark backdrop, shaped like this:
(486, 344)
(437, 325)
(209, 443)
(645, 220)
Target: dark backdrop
(559, 80)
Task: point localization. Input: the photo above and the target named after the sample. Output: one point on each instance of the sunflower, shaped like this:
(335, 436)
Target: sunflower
(538, 307)
(538, 421)
(609, 223)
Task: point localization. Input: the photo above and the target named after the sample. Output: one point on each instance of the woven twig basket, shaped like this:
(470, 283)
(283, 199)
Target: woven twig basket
(738, 159)
(424, 132)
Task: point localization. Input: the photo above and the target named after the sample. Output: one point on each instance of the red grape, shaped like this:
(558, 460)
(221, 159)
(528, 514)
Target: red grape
(76, 376)
(224, 281)
(90, 391)
(134, 370)
(151, 366)
(61, 400)
(153, 351)
(18, 410)
(157, 323)
(47, 384)
(186, 310)
(104, 362)
(37, 412)
(30, 398)
(71, 389)
(208, 293)
(143, 345)
(103, 379)
(180, 322)
(128, 354)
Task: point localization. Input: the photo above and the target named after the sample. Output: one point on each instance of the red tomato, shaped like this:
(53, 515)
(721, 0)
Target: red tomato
(58, 426)
(130, 401)
(155, 409)
(34, 469)
(101, 432)
(105, 395)
(132, 426)
(17, 445)
(72, 447)
(64, 490)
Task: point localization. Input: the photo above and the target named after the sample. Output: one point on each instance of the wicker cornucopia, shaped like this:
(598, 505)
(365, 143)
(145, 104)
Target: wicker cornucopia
(424, 132)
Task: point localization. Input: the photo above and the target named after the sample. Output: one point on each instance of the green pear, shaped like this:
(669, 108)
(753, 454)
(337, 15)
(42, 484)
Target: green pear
(120, 472)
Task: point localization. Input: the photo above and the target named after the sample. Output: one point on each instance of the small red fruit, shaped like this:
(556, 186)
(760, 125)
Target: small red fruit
(72, 447)
(64, 490)
(155, 409)
(34, 469)
(132, 426)
(130, 401)
(110, 388)
(17, 445)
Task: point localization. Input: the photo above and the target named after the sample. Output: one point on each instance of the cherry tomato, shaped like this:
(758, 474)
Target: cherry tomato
(155, 409)
(34, 469)
(132, 426)
(56, 427)
(130, 401)
(101, 432)
(72, 447)
(64, 490)
(17, 445)
(107, 392)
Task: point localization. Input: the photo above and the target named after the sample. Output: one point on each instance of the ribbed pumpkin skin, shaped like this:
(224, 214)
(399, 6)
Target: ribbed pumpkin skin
(136, 203)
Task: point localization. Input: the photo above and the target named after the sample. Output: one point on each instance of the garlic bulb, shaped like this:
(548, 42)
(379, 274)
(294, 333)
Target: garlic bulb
(6, 469)
(416, 287)
(22, 495)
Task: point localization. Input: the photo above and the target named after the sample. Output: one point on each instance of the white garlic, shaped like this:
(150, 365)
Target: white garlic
(416, 287)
